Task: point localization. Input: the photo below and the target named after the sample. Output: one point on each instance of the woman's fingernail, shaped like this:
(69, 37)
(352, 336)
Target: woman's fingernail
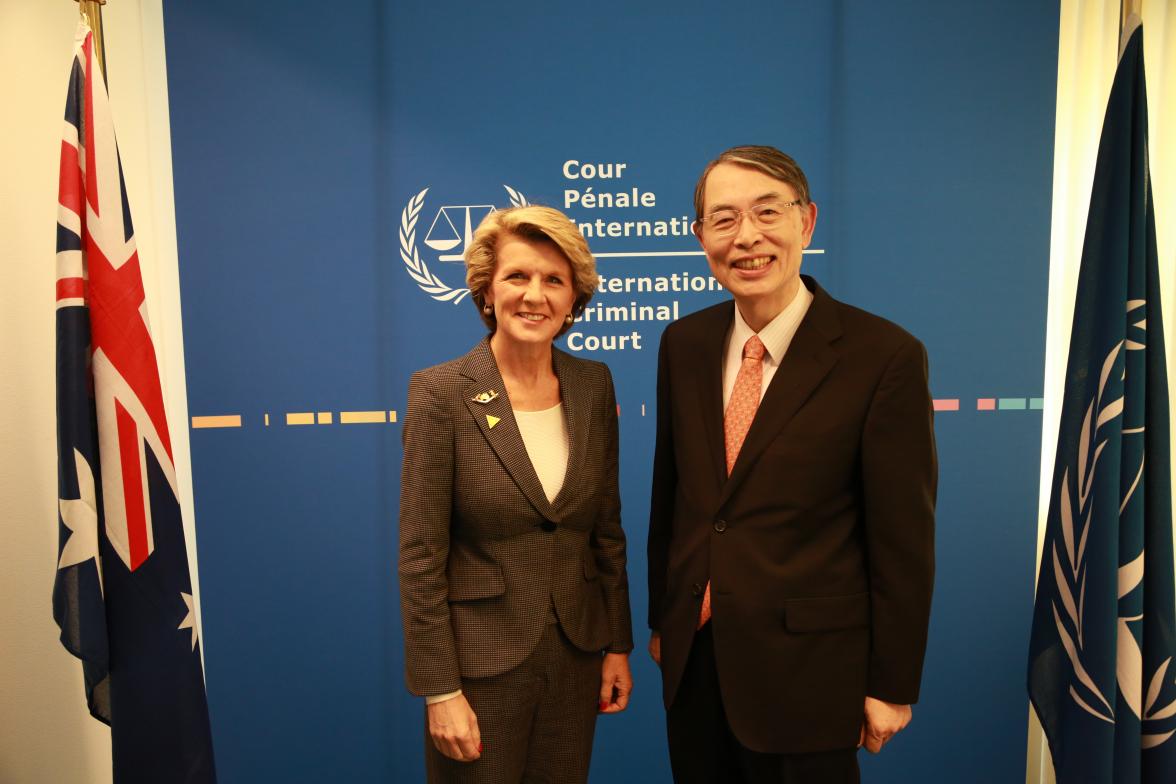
(603, 705)
(479, 748)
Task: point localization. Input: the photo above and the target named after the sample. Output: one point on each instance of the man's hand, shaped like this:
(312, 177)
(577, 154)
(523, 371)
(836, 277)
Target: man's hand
(616, 683)
(655, 648)
(454, 729)
(883, 720)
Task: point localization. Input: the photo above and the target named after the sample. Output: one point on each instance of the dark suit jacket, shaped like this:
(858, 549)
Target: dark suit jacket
(819, 546)
(483, 555)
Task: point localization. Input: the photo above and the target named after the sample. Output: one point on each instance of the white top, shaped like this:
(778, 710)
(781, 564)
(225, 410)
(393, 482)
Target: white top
(776, 336)
(545, 434)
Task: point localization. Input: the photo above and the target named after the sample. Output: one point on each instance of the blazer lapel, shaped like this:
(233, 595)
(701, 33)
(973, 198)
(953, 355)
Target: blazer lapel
(708, 384)
(809, 359)
(577, 416)
(496, 420)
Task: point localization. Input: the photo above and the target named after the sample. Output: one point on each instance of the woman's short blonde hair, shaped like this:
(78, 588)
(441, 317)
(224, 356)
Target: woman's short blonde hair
(537, 224)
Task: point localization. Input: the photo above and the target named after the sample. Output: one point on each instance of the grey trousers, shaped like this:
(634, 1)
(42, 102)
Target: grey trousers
(536, 720)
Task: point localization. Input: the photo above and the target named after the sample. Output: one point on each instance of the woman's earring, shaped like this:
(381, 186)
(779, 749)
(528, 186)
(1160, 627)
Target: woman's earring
(488, 309)
(568, 319)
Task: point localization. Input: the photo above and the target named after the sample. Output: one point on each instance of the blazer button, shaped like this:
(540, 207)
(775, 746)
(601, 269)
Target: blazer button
(720, 525)
(547, 526)
(697, 589)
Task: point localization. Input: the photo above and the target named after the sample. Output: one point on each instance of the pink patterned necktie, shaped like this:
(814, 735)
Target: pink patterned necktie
(745, 399)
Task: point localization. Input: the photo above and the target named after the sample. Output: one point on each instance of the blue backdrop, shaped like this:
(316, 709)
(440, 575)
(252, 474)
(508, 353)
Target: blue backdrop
(326, 160)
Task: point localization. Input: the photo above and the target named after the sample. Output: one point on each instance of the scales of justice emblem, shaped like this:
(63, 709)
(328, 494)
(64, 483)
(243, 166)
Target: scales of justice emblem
(449, 234)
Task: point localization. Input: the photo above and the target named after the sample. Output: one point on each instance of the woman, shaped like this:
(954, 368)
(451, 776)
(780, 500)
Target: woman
(512, 560)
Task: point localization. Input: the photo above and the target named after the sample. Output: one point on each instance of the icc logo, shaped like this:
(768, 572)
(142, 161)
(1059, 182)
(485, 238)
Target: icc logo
(449, 233)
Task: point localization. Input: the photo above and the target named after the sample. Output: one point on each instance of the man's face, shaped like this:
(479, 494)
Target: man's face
(760, 266)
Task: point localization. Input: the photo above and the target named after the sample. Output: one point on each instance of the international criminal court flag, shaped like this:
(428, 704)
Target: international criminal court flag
(1101, 671)
(123, 595)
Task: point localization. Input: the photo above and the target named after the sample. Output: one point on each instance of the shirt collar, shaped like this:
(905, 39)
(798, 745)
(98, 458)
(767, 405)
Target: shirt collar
(777, 334)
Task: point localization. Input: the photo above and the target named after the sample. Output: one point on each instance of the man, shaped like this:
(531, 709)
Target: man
(791, 521)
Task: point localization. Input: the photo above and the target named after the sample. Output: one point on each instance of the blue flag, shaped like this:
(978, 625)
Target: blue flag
(1101, 673)
(123, 593)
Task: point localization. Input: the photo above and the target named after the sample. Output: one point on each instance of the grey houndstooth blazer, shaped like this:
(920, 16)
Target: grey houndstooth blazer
(483, 555)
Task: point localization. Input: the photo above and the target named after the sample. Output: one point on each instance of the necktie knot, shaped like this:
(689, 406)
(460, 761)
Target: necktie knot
(753, 348)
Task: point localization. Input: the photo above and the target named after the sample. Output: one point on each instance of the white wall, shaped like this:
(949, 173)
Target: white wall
(46, 733)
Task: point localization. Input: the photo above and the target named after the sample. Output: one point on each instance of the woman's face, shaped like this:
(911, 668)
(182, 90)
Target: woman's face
(531, 291)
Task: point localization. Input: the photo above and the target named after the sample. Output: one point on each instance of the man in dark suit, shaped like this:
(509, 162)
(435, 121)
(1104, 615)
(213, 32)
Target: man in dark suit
(791, 523)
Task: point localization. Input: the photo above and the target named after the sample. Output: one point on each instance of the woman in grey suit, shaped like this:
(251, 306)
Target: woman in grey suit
(513, 590)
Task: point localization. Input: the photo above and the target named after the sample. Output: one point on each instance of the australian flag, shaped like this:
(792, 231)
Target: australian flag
(123, 593)
(1101, 672)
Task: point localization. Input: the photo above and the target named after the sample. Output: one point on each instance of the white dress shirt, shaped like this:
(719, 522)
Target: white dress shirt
(776, 336)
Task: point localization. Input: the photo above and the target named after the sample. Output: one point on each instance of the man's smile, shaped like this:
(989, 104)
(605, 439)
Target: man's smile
(752, 262)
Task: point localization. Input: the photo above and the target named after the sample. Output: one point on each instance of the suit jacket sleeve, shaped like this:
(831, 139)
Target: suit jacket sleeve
(665, 481)
(608, 538)
(899, 473)
(426, 501)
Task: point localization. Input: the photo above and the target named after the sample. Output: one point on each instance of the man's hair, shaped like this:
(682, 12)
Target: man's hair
(769, 160)
(536, 224)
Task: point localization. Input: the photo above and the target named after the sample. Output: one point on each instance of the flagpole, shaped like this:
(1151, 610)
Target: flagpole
(1130, 17)
(1126, 9)
(91, 11)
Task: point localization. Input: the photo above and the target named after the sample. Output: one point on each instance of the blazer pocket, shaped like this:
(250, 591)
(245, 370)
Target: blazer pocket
(472, 576)
(827, 613)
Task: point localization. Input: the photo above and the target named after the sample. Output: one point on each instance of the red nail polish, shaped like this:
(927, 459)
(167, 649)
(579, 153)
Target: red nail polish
(603, 705)
(479, 748)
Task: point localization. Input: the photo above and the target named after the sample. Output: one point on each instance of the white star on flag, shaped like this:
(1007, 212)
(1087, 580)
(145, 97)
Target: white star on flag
(189, 621)
(80, 516)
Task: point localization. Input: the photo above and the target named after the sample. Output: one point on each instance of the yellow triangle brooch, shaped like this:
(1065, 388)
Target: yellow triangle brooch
(492, 421)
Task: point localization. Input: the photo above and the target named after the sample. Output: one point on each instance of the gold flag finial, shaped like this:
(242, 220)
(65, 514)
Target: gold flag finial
(91, 13)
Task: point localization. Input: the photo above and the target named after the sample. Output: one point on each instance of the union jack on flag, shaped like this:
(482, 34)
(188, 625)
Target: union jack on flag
(123, 593)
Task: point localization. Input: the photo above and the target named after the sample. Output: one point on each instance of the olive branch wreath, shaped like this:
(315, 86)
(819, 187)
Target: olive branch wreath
(1070, 574)
(416, 267)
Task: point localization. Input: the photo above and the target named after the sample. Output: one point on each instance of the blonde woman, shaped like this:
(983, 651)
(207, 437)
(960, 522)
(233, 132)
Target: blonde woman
(513, 589)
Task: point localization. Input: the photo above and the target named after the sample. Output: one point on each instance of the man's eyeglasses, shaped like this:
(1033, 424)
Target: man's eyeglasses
(721, 223)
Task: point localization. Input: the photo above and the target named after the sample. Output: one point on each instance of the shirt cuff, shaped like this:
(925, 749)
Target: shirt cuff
(433, 699)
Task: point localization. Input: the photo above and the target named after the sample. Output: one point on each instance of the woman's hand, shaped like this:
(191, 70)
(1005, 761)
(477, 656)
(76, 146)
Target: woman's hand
(616, 683)
(454, 729)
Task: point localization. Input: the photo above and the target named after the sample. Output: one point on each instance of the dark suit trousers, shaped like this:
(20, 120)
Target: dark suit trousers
(703, 750)
(536, 721)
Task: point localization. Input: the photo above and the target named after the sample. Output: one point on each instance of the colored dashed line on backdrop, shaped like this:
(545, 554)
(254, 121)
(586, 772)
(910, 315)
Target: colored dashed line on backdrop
(229, 420)
(310, 418)
(1009, 403)
(297, 418)
(301, 418)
